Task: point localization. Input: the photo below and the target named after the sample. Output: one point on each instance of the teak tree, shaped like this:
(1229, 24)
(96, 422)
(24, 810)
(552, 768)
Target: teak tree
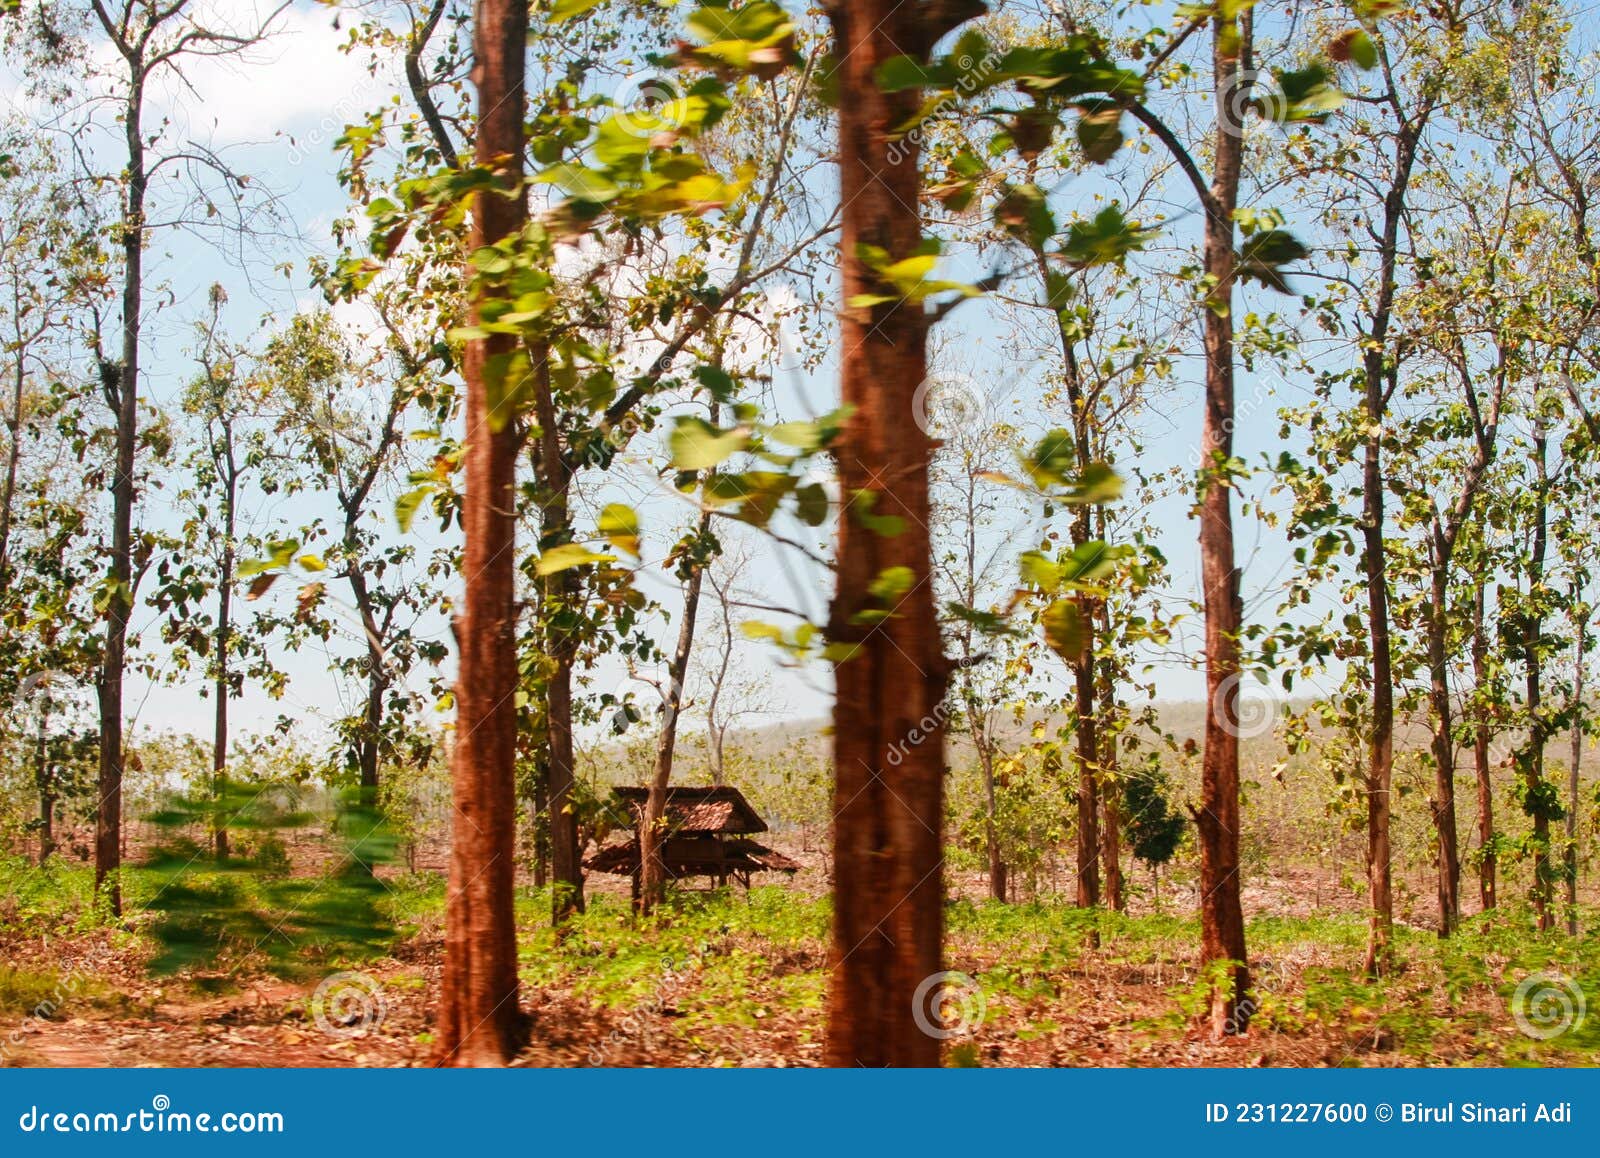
(479, 1014)
(888, 915)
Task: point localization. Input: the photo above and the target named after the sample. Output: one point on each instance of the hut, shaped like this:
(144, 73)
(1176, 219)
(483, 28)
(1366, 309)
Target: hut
(708, 835)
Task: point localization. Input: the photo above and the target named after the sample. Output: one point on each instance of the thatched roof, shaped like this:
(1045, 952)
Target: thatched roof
(721, 811)
(723, 856)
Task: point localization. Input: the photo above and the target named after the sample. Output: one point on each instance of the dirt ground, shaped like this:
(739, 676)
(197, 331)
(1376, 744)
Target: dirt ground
(1100, 1009)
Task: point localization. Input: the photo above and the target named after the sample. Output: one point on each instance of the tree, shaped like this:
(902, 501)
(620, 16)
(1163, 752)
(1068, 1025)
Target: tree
(479, 1015)
(976, 522)
(204, 560)
(150, 40)
(888, 921)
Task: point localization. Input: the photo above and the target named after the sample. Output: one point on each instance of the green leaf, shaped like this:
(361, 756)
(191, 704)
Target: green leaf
(1091, 561)
(1263, 254)
(1039, 570)
(862, 507)
(408, 504)
(697, 445)
(1107, 239)
(565, 556)
(507, 386)
(1363, 52)
(563, 10)
(1064, 629)
(584, 184)
(986, 622)
(891, 584)
(812, 504)
(899, 73)
(717, 381)
(1303, 95)
(1099, 129)
(620, 526)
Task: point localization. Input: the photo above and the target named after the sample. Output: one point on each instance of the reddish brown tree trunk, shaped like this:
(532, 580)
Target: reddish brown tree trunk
(1221, 910)
(479, 1019)
(888, 721)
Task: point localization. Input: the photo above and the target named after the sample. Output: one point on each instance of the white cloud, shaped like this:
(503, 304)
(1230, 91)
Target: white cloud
(297, 82)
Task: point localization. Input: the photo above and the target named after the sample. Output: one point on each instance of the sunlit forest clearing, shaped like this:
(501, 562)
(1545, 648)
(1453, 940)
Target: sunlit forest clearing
(888, 533)
(232, 971)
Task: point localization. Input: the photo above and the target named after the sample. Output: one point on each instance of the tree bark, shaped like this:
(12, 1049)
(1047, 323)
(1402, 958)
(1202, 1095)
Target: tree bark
(999, 873)
(219, 731)
(14, 432)
(1576, 758)
(1221, 910)
(44, 782)
(1481, 758)
(1088, 760)
(1533, 627)
(1444, 757)
(479, 1018)
(555, 488)
(125, 378)
(888, 735)
(1533, 759)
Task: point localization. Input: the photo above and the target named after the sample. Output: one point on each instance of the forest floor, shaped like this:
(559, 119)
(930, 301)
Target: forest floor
(730, 978)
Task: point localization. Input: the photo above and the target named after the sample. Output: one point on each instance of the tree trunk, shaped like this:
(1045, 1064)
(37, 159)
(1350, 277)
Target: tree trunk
(1111, 847)
(1221, 910)
(1088, 759)
(1380, 747)
(124, 377)
(14, 447)
(1533, 760)
(369, 742)
(1444, 755)
(219, 733)
(1481, 758)
(652, 870)
(1110, 789)
(555, 488)
(479, 1018)
(1573, 763)
(991, 832)
(888, 735)
(539, 824)
(45, 784)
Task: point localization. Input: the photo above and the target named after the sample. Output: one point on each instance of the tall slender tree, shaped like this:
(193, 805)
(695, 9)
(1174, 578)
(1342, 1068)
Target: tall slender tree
(479, 1014)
